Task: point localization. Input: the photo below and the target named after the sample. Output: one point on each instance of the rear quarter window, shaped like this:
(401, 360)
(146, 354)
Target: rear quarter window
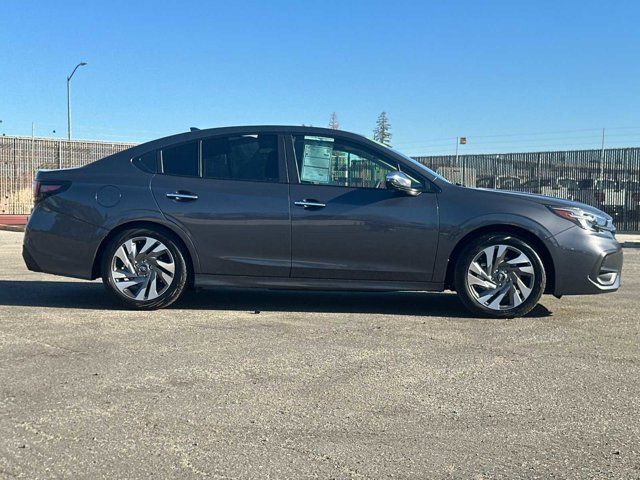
(147, 162)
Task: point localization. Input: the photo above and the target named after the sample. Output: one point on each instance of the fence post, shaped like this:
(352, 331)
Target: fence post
(15, 177)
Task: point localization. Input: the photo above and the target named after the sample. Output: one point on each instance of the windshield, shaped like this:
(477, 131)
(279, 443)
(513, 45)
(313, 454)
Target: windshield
(538, 182)
(607, 184)
(417, 164)
(506, 183)
(569, 183)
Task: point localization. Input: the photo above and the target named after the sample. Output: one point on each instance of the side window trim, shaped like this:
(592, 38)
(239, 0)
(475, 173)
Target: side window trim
(283, 161)
(200, 166)
(292, 162)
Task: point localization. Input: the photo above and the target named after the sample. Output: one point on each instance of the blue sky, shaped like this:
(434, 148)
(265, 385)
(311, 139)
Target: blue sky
(510, 75)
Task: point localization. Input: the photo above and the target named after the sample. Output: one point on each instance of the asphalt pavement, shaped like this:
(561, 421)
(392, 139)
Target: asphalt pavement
(273, 384)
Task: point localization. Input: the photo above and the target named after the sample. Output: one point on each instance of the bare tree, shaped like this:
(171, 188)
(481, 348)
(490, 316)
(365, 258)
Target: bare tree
(382, 132)
(333, 121)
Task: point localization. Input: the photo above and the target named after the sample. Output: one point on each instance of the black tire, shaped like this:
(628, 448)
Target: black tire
(469, 295)
(175, 287)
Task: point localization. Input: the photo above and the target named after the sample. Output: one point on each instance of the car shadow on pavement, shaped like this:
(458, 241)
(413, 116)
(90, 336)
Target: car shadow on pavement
(92, 295)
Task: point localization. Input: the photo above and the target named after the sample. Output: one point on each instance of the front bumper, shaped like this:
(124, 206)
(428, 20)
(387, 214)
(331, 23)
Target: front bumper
(586, 263)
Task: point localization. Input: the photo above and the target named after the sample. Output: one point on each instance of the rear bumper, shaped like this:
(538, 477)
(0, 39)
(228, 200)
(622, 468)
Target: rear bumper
(60, 244)
(29, 261)
(586, 263)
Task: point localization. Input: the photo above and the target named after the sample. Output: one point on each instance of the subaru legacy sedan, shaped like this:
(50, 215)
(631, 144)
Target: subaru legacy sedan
(308, 208)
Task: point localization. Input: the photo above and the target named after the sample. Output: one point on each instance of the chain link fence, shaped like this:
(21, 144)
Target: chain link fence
(21, 157)
(607, 179)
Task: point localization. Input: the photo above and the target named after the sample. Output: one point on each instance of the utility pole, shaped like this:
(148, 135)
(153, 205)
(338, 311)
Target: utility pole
(81, 64)
(461, 141)
(602, 157)
(457, 143)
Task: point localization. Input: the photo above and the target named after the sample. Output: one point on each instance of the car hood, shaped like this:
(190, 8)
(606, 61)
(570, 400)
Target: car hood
(544, 200)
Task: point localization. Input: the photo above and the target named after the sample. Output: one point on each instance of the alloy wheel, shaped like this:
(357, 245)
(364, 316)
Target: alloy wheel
(500, 277)
(142, 268)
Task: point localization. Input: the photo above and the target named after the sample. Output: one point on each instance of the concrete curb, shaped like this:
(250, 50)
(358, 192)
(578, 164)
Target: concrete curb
(12, 228)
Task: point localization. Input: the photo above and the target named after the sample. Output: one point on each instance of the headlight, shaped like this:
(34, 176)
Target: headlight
(586, 220)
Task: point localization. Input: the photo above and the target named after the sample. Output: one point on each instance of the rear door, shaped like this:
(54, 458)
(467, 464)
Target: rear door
(347, 225)
(230, 193)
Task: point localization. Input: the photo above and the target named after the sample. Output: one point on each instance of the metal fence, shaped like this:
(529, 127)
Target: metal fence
(607, 179)
(21, 157)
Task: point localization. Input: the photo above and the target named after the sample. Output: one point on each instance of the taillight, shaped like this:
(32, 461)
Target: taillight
(599, 197)
(44, 189)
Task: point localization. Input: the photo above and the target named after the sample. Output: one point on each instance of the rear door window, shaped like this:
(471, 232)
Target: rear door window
(181, 160)
(242, 157)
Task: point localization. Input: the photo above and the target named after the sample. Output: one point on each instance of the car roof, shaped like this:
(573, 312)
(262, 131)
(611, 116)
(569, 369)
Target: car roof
(195, 134)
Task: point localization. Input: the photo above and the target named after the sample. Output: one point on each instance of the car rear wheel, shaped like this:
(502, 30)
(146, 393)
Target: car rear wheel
(499, 275)
(144, 268)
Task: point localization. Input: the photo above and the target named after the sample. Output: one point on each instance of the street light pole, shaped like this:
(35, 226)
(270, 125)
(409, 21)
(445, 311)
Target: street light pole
(602, 157)
(81, 64)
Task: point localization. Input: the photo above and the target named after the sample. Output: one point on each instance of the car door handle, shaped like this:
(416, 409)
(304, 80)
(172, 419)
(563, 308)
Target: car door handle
(309, 203)
(182, 196)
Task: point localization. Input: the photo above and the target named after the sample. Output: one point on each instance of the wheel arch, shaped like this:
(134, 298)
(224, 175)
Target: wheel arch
(520, 232)
(189, 256)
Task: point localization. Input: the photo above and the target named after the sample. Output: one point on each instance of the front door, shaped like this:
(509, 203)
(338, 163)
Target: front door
(231, 195)
(347, 225)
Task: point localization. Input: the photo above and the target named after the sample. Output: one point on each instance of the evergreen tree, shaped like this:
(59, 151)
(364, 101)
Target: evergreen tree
(333, 121)
(382, 132)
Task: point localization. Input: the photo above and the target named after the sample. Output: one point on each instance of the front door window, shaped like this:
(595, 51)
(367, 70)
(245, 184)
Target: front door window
(332, 161)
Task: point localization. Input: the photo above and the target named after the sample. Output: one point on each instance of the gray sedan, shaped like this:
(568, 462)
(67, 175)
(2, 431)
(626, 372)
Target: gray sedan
(308, 208)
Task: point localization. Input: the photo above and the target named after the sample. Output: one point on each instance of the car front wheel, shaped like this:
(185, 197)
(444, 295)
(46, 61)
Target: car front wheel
(499, 275)
(144, 268)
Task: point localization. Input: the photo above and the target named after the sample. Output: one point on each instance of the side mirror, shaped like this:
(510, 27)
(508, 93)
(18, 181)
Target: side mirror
(402, 183)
